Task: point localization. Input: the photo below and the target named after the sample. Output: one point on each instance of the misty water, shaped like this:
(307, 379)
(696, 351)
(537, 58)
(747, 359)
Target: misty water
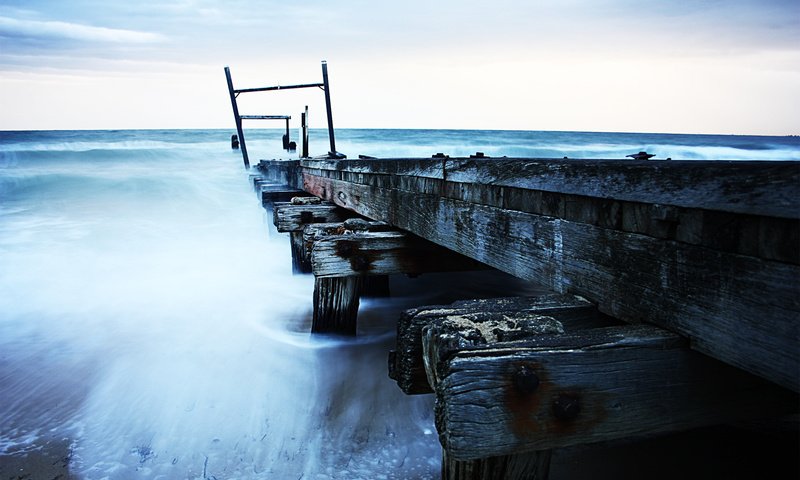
(151, 327)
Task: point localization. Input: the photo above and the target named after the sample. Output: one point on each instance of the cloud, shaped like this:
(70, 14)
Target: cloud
(12, 28)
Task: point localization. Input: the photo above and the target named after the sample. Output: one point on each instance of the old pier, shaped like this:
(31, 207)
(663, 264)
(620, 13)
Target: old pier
(675, 288)
(675, 291)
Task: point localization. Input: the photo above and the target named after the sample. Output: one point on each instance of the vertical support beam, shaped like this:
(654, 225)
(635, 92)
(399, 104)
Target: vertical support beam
(336, 301)
(304, 133)
(237, 118)
(300, 264)
(327, 89)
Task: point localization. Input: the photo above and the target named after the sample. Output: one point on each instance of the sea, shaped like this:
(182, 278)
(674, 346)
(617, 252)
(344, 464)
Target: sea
(151, 326)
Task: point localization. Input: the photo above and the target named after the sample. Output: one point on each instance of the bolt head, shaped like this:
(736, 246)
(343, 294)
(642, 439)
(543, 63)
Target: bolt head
(566, 406)
(525, 380)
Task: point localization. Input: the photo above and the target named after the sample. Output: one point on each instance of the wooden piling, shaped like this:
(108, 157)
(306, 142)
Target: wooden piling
(336, 302)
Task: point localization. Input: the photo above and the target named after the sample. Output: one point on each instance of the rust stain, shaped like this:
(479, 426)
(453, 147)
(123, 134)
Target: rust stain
(360, 261)
(524, 408)
(532, 414)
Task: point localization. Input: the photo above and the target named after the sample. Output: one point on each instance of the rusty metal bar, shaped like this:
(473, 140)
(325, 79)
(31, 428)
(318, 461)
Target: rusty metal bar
(237, 118)
(327, 89)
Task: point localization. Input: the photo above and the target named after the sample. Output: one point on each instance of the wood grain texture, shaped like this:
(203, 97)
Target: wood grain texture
(285, 172)
(769, 188)
(740, 309)
(593, 385)
(336, 302)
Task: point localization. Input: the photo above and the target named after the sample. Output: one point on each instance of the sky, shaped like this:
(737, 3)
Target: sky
(700, 66)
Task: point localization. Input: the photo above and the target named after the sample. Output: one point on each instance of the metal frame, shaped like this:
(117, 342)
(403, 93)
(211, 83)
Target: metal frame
(234, 93)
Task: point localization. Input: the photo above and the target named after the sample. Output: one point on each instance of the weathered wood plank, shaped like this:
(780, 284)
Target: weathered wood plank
(406, 365)
(740, 309)
(285, 172)
(769, 188)
(582, 387)
(279, 193)
(289, 217)
(772, 238)
(383, 253)
(315, 231)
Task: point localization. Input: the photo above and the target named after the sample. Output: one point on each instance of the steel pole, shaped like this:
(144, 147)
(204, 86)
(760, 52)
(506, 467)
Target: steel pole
(238, 119)
(327, 89)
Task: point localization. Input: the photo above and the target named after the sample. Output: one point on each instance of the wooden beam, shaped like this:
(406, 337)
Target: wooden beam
(271, 195)
(765, 188)
(750, 233)
(285, 172)
(581, 387)
(292, 217)
(406, 364)
(741, 309)
(384, 253)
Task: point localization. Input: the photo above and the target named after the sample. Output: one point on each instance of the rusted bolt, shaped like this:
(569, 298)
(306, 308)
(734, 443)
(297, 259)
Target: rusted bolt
(359, 263)
(525, 380)
(566, 406)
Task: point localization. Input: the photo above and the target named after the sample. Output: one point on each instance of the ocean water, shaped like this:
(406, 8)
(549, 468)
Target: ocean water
(150, 325)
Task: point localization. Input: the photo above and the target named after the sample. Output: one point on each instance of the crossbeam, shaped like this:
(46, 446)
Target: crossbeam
(279, 87)
(265, 117)
(234, 94)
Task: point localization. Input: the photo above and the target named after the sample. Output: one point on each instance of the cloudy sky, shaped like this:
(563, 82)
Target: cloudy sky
(700, 66)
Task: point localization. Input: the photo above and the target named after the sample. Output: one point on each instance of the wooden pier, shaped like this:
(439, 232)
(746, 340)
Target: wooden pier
(675, 304)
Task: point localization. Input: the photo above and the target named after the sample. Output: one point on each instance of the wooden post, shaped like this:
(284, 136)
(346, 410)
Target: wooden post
(336, 301)
(237, 118)
(299, 265)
